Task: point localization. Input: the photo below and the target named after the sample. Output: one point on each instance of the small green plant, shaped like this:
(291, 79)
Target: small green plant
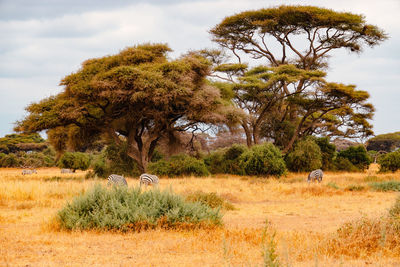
(210, 199)
(386, 186)
(332, 185)
(130, 209)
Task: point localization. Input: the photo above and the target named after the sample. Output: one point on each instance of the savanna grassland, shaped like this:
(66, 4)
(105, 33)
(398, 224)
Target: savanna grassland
(306, 223)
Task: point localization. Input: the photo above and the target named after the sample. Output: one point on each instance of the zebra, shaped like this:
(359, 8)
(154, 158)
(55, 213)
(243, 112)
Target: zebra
(24, 172)
(148, 179)
(115, 179)
(66, 171)
(315, 175)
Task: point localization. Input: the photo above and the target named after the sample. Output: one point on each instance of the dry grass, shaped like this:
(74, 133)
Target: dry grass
(306, 219)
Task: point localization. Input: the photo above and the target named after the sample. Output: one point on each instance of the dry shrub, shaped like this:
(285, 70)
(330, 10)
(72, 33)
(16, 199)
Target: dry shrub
(319, 191)
(365, 237)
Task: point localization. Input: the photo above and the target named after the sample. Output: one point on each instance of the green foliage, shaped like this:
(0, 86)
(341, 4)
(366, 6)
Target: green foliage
(125, 209)
(390, 162)
(10, 160)
(357, 155)
(226, 160)
(386, 186)
(270, 247)
(328, 152)
(265, 159)
(75, 161)
(13, 143)
(332, 185)
(179, 165)
(343, 164)
(384, 142)
(306, 156)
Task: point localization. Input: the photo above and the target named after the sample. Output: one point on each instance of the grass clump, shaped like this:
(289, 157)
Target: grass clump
(386, 186)
(333, 185)
(210, 199)
(130, 209)
(355, 188)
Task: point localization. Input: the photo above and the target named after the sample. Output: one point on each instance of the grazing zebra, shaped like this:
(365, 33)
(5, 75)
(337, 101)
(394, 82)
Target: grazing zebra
(315, 175)
(148, 179)
(28, 171)
(66, 171)
(115, 179)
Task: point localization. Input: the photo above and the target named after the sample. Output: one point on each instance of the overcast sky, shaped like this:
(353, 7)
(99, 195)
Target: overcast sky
(44, 40)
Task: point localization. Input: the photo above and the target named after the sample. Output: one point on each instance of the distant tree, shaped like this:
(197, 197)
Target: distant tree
(75, 161)
(137, 96)
(357, 155)
(290, 99)
(328, 152)
(12, 143)
(384, 142)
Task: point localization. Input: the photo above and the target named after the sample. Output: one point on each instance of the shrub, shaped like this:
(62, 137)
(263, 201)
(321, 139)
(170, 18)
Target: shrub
(390, 162)
(386, 186)
(357, 155)
(343, 164)
(124, 209)
(210, 199)
(263, 159)
(10, 160)
(179, 165)
(306, 156)
(226, 160)
(75, 161)
(355, 188)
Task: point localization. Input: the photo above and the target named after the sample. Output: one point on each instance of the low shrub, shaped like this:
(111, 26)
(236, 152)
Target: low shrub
(386, 186)
(226, 160)
(265, 159)
(179, 165)
(125, 209)
(390, 162)
(210, 199)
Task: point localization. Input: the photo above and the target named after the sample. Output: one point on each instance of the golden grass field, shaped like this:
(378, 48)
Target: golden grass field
(305, 218)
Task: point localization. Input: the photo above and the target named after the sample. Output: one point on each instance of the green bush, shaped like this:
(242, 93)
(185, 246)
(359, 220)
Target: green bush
(357, 155)
(210, 199)
(306, 156)
(390, 162)
(343, 164)
(123, 209)
(386, 186)
(355, 188)
(265, 159)
(179, 165)
(226, 160)
(10, 160)
(75, 161)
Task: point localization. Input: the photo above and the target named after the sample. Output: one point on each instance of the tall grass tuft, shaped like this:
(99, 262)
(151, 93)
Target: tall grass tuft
(386, 186)
(210, 199)
(269, 247)
(130, 209)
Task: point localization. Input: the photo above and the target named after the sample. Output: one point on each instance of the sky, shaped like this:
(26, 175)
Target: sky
(42, 41)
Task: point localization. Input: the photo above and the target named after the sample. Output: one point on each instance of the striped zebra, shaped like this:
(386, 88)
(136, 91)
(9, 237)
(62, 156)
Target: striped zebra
(315, 175)
(66, 171)
(115, 179)
(148, 179)
(24, 172)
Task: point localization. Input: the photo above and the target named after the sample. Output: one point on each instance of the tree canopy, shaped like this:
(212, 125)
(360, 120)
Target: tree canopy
(137, 96)
(287, 96)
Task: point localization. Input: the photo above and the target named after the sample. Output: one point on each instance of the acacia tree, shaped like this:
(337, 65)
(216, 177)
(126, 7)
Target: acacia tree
(137, 96)
(288, 97)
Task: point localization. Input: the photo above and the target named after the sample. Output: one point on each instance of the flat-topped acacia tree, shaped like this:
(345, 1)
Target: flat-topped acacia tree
(288, 103)
(137, 96)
